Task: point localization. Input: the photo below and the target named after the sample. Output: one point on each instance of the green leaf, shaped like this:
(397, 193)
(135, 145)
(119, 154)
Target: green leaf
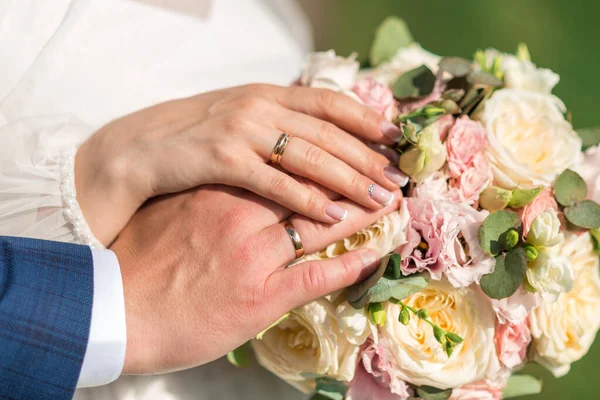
(417, 82)
(507, 276)
(240, 357)
(392, 270)
(521, 385)
(391, 35)
(585, 214)
(483, 79)
(495, 227)
(589, 136)
(388, 288)
(358, 290)
(494, 198)
(431, 393)
(596, 239)
(274, 324)
(522, 197)
(330, 388)
(569, 188)
(456, 66)
(454, 95)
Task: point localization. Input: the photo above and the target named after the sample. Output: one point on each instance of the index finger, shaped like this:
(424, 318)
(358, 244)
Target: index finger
(341, 110)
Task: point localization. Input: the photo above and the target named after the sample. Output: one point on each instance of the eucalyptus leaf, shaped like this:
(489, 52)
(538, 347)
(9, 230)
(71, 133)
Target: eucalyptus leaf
(481, 79)
(358, 290)
(522, 197)
(496, 225)
(453, 94)
(585, 214)
(431, 393)
(391, 35)
(417, 82)
(388, 288)
(507, 276)
(240, 357)
(569, 188)
(330, 388)
(589, 136)
(521, 385)
(456, 66)
(392, 270)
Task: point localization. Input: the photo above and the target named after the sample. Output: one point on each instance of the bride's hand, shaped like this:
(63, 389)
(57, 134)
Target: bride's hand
(227, 137)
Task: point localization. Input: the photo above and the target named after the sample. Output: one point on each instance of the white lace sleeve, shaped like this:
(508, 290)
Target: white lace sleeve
(37, 187)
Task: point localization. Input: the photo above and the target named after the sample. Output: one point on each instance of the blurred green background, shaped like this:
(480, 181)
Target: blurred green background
(563, 35)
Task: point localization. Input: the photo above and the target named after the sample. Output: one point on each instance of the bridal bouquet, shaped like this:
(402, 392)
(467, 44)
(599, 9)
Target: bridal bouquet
(492, 261)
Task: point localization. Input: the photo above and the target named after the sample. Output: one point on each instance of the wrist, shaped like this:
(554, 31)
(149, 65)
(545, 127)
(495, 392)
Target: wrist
(106, 197)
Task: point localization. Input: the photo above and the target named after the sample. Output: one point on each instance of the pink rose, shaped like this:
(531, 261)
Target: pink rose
(590, 172)
(377, 96)
(466, 140)
(481, 390)
(516, 308)
(473, 180)
(511, 343)
(543, 202)
(374, 379)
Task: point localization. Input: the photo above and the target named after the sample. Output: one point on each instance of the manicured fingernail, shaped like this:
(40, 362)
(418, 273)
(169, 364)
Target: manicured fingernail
(395, 175)
(381, 195)
(368, 257)
(336, 212)
(390, 130)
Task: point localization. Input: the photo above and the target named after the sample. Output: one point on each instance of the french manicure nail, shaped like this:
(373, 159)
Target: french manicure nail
(381, 195)
(368, 257)
(390, 130)
(336, 212)
(395, 175)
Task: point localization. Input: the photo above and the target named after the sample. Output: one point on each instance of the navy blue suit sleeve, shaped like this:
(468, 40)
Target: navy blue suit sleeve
(46, 292)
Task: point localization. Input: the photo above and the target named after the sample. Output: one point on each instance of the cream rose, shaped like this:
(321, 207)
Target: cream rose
(327, 70)
(355, 324)
(530, 142)
(545, 230)
(404, 60)
(564, 331)
(416, 357)
(308, 341)
(523, 74)
(550, 274)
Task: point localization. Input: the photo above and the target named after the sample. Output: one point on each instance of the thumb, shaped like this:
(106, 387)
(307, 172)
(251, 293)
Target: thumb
(310, 280)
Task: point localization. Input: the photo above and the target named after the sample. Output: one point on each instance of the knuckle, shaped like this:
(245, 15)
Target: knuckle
(356, 183)
(314, 157)
(313, 279)
(279, 185)
(314, 202)
(236, 121)
(233, 221)
(325, 99)
(329, 134)
(369, 118)
(252, 103)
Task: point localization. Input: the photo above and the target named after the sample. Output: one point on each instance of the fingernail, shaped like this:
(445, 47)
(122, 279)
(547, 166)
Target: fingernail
(395, 175)
(336, 212)
(381, 195)
(369, 257)
(390, 130)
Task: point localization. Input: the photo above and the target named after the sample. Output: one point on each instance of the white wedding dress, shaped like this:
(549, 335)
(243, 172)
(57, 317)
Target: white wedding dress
(69, 66)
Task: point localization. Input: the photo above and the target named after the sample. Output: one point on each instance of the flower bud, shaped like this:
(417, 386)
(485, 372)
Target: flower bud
(404, 316)
(423, 314)
(377, 313)
(432, 111)
(454, 337)
(510, 240)
(449, 348)
(531, 252)
(426, 157)
(494, 198)
(439, 335)
(545, 230)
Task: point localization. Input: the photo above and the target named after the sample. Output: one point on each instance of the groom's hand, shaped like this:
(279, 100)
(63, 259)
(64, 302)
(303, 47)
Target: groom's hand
(203, 272)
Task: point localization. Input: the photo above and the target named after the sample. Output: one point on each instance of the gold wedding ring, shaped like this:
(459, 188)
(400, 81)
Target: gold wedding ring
(294, 237)
(279, 148)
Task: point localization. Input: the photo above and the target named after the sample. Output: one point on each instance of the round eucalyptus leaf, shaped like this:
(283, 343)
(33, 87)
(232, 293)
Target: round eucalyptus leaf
(456, 66)
(391, 35)
(589, 137)
(495, 227)
(585, 214)
(569, 188)
(417, 82)
(431, 393)
(507, 276)
(481, 78)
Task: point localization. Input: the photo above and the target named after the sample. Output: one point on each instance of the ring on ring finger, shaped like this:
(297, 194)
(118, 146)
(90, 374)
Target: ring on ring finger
(279, 148)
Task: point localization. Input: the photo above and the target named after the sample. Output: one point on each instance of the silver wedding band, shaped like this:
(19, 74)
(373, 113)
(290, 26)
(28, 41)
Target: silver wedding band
(279, 148)
(294, 237)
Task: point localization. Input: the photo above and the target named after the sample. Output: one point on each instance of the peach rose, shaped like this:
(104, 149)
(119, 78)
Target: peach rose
(473, 180)
(481, 390)
(377, 96)
(511, 343)
(466, 140)
(543, 202)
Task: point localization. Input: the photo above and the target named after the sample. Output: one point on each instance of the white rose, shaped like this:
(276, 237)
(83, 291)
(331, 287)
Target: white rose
(384, 236)
(590, 172)
(530, 142)
(522, 74)
(545, 230)
(564, 331)
(355, 324)
(308, 341)
(324, 69)
(416, 357)
(404, 60)
(550, 274)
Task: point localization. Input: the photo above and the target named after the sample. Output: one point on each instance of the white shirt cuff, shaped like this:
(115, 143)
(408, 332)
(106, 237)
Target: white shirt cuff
(105, 353)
